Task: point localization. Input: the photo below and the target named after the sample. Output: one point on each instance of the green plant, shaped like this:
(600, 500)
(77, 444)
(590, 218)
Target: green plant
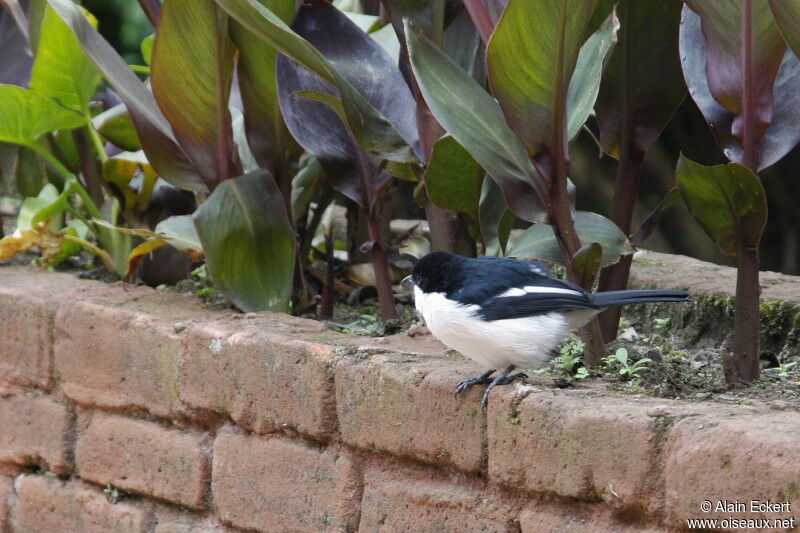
(737, 63)
(618, 362)
(783, 369)
(569, 361)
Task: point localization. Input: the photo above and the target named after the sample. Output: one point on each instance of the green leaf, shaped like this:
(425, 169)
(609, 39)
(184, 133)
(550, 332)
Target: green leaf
(787, 15)
(267, 135)
(643, 83)
(391, 139)
(147, 48)
(116, 126)
(177, 231)
(155, 133)
(531, 58)
(61, 70)
(192, 49)
(249, 242)
(586, 263)
(30, 172)
(475, 120)
(29, 211)
(727, 200)
(25, 115)
(585, 83)
(496, 220)
(305, 184)
(453, 179)
(539, 241)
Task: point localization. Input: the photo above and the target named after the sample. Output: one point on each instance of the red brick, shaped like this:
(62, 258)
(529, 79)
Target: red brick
(573, 445)
(26, 353)
(279, 485)
(538, 518)
(263, 380)
(6, 494)
(416, 505)
(34, 430)
(142, 457)
(409, 409)
(734, 458)
(46, 505)
(122, 356)
(172, 520)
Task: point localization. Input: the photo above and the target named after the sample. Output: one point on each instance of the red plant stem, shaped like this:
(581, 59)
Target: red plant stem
(747, 314)
(380, 265)
(480, 18)
(326, 309)
(560, 209)
(151, 8)
(626, 191)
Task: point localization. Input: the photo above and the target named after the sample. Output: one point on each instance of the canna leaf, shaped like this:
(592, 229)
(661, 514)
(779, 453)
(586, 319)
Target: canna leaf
(249, 242)
(154, 131)
(192, 50)
(643, 84)
(267, 135)
(394, 136)
(453, 179)
(317, 115)
(61, 70)
(727, 200)
(586, 263)
(116, 126)
(721, 24)
(15, 68)
(585, 82)
(539, 241)
(26, 115)
(783, 132)
(476, 121)
(787, 15)
(531, 59)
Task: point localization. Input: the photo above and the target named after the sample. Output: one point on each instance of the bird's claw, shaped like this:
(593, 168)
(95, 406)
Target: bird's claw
(502, 380)
(477, 380)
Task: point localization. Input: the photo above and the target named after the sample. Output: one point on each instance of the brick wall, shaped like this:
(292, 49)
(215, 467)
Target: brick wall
(210, 421)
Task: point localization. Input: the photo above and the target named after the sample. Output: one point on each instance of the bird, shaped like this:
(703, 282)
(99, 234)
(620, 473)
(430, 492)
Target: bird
(507, 313)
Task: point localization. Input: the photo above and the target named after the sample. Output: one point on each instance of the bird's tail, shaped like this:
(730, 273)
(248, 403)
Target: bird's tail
(612, 298)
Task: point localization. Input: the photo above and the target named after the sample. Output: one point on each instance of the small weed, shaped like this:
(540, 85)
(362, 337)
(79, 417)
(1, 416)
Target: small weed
(569, 361)
(618, 362)
(113, 494)
(783, 369)
(660, 324)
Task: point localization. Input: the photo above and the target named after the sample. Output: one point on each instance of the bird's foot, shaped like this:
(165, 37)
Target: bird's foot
(477, 380)
(503, 378)
(562, 383)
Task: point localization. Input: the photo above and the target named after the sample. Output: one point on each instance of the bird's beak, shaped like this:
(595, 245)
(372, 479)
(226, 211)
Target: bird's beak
(407, 284)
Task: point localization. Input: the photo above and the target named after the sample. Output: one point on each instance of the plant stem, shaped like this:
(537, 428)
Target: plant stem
(380, 265)
(326, 309)
(746, 317)
(626, 192)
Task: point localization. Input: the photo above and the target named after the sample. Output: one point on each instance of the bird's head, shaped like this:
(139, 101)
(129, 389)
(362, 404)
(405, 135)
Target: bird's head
(436, 272)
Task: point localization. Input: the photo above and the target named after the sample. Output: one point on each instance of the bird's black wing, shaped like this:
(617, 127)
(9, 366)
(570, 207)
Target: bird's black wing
(504, 288)
(505, 307)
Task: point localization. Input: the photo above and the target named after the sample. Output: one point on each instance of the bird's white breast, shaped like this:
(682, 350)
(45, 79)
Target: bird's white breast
(524, 342)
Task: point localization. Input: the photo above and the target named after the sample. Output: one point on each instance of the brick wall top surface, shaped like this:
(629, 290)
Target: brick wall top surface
(154, 376)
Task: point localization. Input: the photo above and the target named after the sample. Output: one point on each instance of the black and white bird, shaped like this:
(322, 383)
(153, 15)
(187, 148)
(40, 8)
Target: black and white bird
(505, 313)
